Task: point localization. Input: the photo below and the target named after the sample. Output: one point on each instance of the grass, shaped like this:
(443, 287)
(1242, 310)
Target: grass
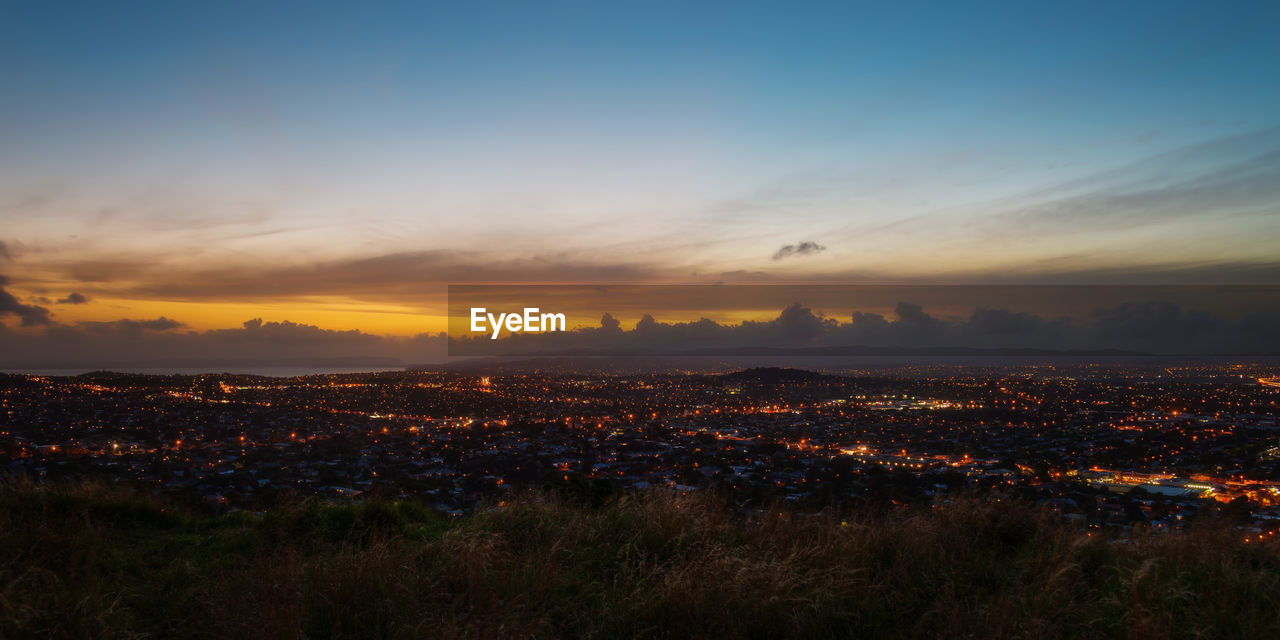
(96, 561)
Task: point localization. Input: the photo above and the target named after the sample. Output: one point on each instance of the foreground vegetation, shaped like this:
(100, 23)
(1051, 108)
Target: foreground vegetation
(98, 561)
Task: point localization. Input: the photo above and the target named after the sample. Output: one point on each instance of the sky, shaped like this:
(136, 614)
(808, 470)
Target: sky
(337, 165)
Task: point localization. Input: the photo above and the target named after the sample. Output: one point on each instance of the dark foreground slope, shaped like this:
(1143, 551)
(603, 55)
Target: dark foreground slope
(92, 561)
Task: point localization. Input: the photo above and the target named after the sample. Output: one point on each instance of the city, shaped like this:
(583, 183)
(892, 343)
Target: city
(640, 320)
(1104, 446)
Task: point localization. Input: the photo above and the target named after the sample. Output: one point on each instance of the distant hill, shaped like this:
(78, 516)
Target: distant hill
(811, 359)
(495, 365)
(777, 376)
(907, 351)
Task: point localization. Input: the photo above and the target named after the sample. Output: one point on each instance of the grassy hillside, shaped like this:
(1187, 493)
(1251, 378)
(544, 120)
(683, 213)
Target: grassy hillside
(95, 561)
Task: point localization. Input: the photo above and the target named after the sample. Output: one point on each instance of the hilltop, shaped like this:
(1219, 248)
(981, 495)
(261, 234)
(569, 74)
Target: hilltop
(779, 375)
(102, 561)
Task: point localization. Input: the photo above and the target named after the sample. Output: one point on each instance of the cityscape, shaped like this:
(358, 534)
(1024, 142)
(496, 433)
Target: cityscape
(1105, 446)
(640, 320)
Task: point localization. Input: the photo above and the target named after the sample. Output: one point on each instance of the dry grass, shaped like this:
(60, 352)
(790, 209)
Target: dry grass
(94, 561)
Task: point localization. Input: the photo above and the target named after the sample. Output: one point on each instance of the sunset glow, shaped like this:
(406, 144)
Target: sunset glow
(213, 165)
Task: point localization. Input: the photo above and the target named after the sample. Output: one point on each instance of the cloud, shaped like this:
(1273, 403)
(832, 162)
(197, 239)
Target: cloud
(1234, 176)
(29, 315)
(1162, 325)
(799, 323)
(73, 298)
(132, 326)
(4, 251)
(1239, 272)
(160, 342)
(803, 249)
(610, 323)
(1144, 326)
(418, 276)
(1150, 326)
(393, 277)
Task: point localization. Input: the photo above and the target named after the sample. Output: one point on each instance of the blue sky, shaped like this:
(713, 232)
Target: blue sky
(163, 153)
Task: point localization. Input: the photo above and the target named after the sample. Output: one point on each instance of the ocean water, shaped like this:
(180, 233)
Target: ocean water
(274, 372)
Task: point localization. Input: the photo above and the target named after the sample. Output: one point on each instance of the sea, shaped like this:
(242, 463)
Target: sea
(272, 372)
